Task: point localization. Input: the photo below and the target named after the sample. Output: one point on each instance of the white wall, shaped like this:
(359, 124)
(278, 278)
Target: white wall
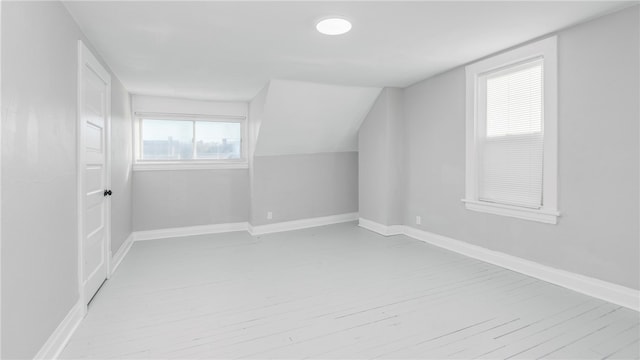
(380, 160)
(158, 104)
(305, 136)
(310, 118)
(39, 225)
(598, 231)
(121, 161)
(256, 114)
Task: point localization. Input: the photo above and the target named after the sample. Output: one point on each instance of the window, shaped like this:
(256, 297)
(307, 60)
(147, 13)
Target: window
(178, 142)
(512, 133)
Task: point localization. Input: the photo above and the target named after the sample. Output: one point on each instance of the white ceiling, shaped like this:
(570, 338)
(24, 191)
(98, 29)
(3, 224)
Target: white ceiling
(230, 50)
(306, 118)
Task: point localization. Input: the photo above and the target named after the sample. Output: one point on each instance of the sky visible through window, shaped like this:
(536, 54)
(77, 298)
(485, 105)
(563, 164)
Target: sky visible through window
(174, 140)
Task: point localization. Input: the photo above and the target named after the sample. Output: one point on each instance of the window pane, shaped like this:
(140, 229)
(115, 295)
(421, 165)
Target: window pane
(511, 170)
(167, 140)
(217, 140)
(511, 153)
(514, 101)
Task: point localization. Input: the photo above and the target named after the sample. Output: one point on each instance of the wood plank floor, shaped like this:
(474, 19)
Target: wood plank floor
(338, 291)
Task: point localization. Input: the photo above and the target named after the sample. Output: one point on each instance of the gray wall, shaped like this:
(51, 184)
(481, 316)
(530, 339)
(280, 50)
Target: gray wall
(304, 186)
(177, 198)
(256, 113)
(39, 240)
(597, 234)
(121, 160)
(293, 187)
(380, 160)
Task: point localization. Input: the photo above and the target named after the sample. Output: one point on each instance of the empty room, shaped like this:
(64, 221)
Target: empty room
(320, 179)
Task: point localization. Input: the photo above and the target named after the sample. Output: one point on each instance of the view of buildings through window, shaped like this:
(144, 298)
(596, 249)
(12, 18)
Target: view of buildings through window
(177, 140)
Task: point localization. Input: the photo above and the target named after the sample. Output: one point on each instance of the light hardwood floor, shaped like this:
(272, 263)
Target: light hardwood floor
(338, 291)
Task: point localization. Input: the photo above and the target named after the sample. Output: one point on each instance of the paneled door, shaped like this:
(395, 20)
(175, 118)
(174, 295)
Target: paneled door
(94, 89)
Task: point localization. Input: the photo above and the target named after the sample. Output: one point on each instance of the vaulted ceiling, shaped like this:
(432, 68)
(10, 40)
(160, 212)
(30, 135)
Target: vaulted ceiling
(305, 118)
(230, 50)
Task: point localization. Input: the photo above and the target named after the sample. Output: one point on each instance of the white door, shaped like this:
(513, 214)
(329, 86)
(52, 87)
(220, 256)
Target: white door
(94, 88)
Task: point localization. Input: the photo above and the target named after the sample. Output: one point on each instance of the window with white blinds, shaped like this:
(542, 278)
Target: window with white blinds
(510, 146)
(512, 133)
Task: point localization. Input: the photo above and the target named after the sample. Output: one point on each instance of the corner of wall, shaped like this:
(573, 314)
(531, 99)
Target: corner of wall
(382, 159)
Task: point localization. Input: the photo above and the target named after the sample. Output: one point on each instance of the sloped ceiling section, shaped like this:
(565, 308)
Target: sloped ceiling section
(307, 118)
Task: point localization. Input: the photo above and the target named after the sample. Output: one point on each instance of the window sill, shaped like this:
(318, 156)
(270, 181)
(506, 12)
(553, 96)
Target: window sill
(166, 166)
(544, 216)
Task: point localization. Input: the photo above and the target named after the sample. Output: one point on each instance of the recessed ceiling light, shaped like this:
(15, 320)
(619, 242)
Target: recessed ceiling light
(334, 26)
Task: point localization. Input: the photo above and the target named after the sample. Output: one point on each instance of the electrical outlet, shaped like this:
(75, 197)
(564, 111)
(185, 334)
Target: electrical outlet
(269, 215)
(418, 220)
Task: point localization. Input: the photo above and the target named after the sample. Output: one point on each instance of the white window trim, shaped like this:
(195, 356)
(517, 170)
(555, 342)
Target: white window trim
(154, 165)
(547, 49)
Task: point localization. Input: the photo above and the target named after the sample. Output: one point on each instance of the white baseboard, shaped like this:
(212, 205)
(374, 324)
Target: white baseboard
(302, 224)
(604, 290)
(386, 230)
(121, 253)
(242, 226)
(189, 231)
(60, 337)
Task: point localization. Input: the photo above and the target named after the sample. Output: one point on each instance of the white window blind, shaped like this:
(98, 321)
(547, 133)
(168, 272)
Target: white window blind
(510, 138)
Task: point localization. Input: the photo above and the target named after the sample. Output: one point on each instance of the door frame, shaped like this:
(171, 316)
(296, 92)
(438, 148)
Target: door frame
(1, 117)
(86, 58)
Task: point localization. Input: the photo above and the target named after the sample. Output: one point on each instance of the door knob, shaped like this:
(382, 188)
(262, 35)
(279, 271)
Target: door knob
(107, 192)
